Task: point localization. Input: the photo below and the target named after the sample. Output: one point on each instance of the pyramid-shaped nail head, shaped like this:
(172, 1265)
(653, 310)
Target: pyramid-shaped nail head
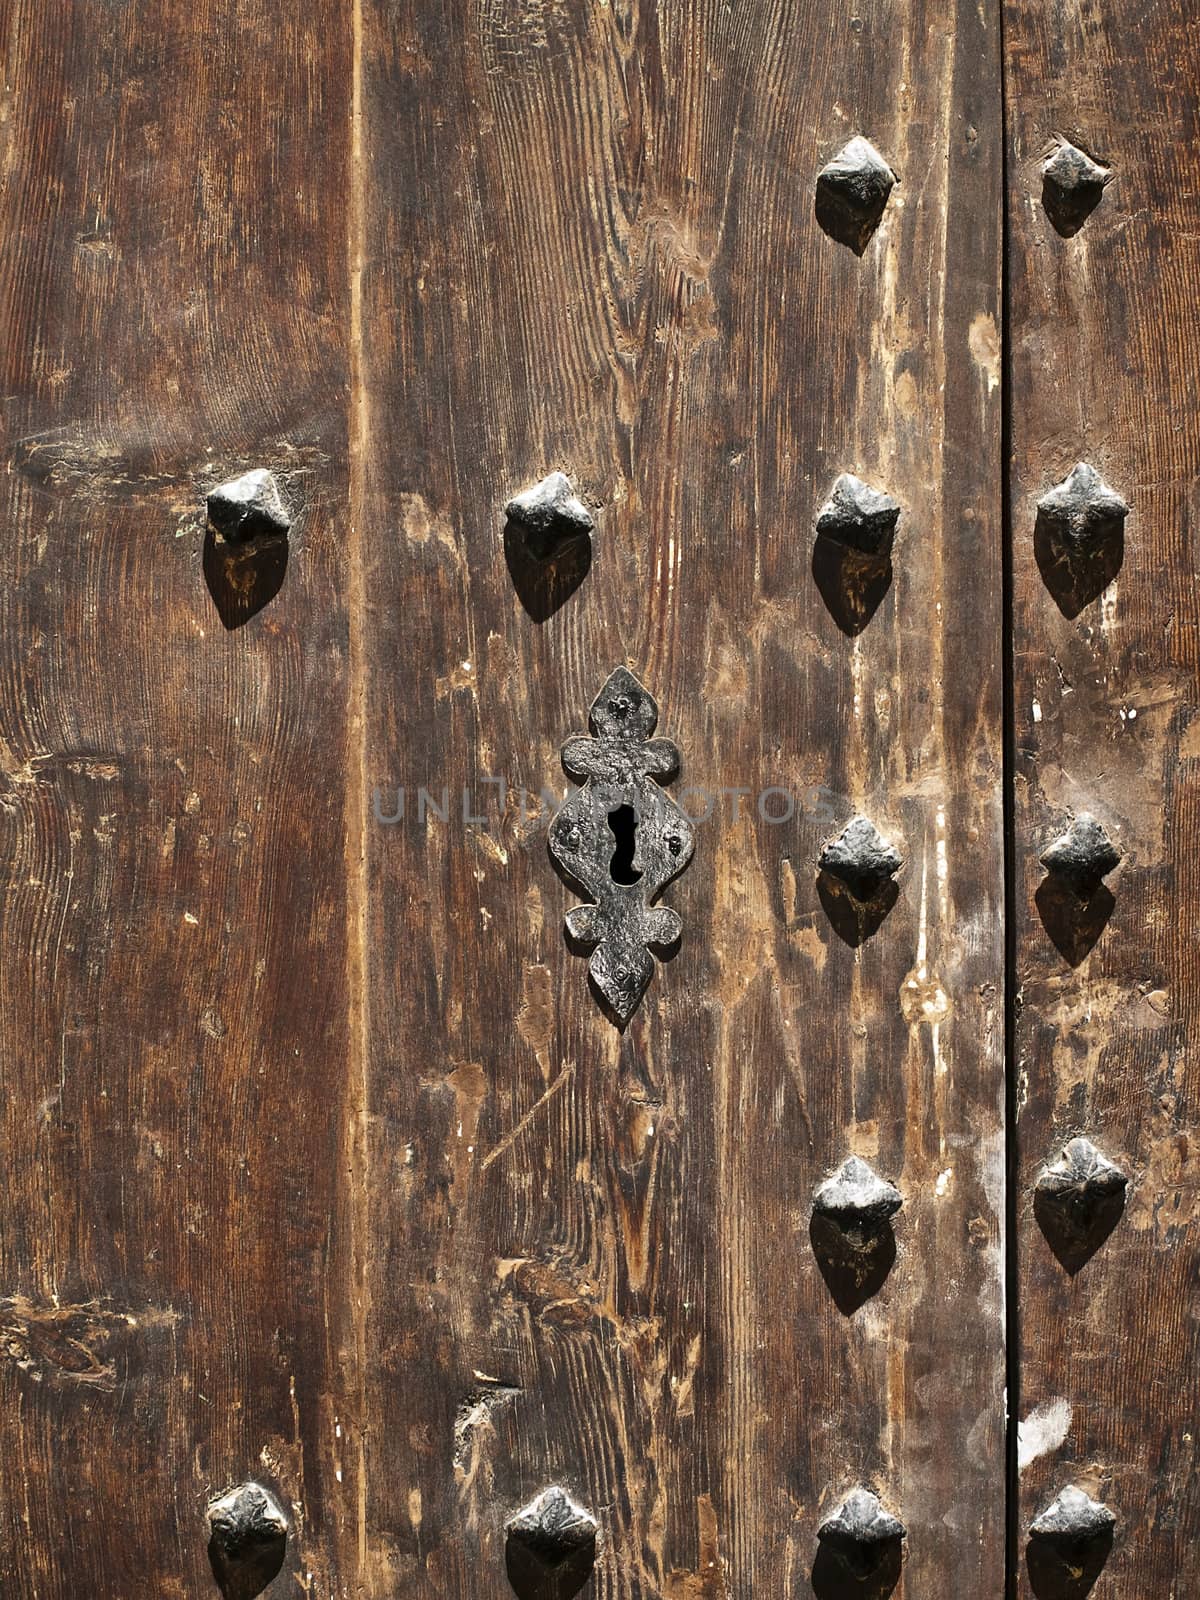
(861, 1520)
(860, 858)
(248, 507)
(859, 517)
(1073, 1518)
(852, 191)
(1083, 856)
(1083, 510)
(856, 1197)
(551, 513)
(1072, 187)
(554, 1523)
(859, 176)
(551, 1547)
(245, 1517)
(1082, 1179)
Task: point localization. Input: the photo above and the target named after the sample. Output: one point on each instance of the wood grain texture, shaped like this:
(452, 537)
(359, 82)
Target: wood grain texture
(174, 1272)
(589, 244)
(321, 1165)
(1105, 365)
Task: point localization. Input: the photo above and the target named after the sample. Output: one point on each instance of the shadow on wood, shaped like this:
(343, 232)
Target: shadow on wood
(852, 583)
(1075, 1233)
(531, 1579)
(551, 1548)
(843, 225)
(855, 921)
(545, 583)
(853, 1271)
(1060, 1571)
(840, 1574)
(247, 1579)
(1077, 574)
(243, 576)
(1073, 922)
(1068, 213)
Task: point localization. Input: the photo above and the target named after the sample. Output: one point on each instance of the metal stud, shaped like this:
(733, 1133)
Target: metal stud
(860, 859)
(622, 839)
(856, 880)
(852, 191)
(1078, 1202)
(550, 1548)
(859, 517)
(1083, 856)
(1072, 1517)
(1072, 187)
(851, 557)
(247, 1540)
(249, 507)
(1069, 1543)
(862, 1539)
(1083, 511)
(245, 545)
(858, 1202)
(551, 515)
(1079, 538)
(851, 1233)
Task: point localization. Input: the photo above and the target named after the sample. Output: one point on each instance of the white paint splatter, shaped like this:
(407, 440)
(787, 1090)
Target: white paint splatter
(1042, 1431)
(983, 340)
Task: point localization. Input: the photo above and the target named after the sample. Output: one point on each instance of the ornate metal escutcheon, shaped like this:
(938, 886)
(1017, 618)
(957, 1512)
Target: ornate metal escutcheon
(622, 840)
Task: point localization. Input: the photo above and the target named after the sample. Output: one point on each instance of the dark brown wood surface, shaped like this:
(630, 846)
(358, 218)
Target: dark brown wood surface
(174, 1105)
(590, 245)
(321, 1166)
(1105, 364)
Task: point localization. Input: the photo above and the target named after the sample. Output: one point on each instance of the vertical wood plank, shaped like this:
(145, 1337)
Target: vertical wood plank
(174, 1277)
(590, 245)
(1105, 366)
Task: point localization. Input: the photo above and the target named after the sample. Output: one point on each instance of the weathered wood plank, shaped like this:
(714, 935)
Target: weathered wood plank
(590, 244)
(174, 1283)
(1105, 369)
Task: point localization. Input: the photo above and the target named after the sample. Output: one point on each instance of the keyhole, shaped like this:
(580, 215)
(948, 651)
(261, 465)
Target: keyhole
(622, 824)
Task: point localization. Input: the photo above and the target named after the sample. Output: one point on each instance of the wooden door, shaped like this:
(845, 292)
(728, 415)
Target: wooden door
(345, 1218)
(1104, 353)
